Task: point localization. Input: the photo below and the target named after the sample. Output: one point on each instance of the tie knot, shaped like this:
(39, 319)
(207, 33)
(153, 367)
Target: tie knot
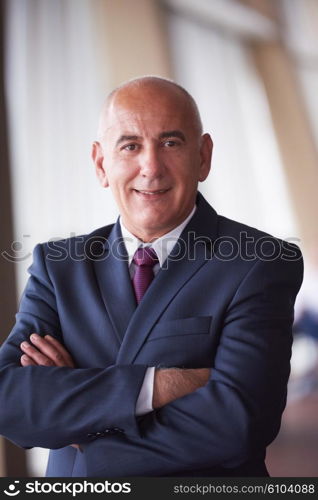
(145, 256)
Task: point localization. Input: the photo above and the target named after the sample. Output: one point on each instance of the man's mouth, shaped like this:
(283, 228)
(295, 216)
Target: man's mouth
(153, 192)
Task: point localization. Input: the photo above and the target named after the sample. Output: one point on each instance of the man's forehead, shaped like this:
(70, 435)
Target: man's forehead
(143, 120)
(152, 108)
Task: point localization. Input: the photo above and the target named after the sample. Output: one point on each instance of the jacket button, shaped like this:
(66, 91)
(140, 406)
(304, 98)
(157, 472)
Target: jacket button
(112, 430)
(107, 432)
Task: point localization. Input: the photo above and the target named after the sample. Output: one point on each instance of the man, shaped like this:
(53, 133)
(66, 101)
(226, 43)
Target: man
(186, 377)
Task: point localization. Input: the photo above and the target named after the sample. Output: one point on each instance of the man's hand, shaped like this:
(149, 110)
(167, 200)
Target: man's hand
(45, 351)
(173, 383)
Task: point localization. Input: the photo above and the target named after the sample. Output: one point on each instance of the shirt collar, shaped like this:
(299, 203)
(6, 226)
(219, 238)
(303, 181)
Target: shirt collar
(163, 246)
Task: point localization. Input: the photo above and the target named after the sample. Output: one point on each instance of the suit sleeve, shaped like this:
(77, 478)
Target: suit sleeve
(238, 413)
(52, 407)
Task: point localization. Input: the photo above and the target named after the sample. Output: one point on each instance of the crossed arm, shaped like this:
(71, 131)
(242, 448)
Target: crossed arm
(169, 384)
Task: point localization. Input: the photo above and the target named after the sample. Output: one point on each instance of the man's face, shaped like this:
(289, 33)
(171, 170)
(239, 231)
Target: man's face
(152, 157)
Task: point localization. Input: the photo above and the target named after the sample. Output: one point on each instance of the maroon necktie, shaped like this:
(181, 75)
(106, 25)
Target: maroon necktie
(144, 259)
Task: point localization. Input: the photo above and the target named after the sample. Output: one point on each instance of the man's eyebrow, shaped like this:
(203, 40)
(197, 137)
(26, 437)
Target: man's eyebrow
(124, 138)
(173, 133)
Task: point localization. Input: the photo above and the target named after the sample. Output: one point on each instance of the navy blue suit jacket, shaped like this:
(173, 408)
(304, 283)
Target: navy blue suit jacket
(224, 300)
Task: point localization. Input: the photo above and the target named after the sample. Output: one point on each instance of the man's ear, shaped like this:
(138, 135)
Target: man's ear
(206, 149)
(98, 159)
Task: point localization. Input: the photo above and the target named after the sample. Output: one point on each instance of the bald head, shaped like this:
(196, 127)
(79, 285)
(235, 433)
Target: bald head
(146, 89)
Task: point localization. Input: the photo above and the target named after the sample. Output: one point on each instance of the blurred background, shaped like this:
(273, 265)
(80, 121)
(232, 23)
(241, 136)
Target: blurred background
(251, 65)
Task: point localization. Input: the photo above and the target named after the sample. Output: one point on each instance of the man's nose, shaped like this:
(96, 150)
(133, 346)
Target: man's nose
(150, 162)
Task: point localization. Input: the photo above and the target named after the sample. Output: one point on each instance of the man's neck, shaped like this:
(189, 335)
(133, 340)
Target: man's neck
(163, 245)
(146, 237)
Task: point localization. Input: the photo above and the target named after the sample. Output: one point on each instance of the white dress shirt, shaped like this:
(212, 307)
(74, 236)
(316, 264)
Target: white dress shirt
(163, 247)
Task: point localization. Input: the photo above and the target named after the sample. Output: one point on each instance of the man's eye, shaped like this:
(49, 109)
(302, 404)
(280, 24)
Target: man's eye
(170, 144)
(130, 147)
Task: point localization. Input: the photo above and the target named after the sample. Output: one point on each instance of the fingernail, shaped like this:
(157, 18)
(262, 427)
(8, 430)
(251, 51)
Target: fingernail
(34, 336)
(25, 345)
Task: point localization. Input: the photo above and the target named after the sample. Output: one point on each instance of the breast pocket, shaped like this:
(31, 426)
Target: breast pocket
(184, 343)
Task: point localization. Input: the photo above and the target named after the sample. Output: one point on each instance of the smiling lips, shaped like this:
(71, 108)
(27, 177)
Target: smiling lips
(154, 193)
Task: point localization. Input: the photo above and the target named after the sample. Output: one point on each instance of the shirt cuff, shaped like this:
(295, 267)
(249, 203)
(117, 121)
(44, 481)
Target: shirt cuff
(144, 401)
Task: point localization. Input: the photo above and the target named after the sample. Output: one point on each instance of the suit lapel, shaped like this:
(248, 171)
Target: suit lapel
(113, 278)
(192, 251)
